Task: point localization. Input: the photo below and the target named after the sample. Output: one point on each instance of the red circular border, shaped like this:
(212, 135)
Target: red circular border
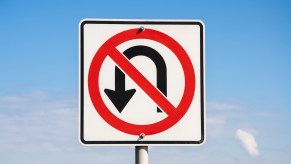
(107, 115)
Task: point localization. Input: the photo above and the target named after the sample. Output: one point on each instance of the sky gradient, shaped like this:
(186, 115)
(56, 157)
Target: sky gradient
(248, 77)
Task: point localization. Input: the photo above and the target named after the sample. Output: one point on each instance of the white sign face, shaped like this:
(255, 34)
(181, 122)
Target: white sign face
(142, 82)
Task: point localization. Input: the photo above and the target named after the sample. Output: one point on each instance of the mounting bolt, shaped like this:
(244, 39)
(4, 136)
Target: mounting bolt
(141, 29)
(142, 136)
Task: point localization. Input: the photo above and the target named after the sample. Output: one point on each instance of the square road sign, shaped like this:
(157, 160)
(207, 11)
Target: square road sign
(142, 82)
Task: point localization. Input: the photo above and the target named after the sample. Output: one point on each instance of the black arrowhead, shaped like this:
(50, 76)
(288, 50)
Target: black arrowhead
(119, 97)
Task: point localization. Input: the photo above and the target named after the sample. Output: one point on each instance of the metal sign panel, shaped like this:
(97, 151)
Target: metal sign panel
(142, 82)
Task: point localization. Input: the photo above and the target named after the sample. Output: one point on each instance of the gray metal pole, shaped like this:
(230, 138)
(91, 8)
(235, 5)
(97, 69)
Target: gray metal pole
(141, 155)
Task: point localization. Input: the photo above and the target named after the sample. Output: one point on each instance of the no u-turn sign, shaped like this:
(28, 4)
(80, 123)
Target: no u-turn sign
(142, 82)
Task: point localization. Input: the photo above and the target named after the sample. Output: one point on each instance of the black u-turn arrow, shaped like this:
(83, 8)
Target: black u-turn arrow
(120, 97)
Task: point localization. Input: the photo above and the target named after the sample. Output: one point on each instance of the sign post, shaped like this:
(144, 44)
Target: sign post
(142, 83)
(141, 155)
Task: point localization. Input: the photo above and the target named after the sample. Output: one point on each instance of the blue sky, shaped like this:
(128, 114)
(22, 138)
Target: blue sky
(248, 77)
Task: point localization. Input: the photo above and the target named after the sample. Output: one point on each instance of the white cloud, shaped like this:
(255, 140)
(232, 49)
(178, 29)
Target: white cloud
(215, 120)
(222, 106)
(22, 101)
(38, 122)
(248, 141)
(218, 118)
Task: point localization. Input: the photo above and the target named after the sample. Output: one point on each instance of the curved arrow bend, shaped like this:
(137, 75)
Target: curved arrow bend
(120, 97)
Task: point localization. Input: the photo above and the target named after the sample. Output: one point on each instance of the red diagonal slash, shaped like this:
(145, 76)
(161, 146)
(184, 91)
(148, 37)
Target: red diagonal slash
(141, 81)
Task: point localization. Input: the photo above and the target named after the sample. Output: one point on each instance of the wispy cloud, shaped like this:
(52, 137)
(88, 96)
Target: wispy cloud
(22, 101)
(36, 122)
(248, 141)
(222, 105)
(215, 120)
(219, 114)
